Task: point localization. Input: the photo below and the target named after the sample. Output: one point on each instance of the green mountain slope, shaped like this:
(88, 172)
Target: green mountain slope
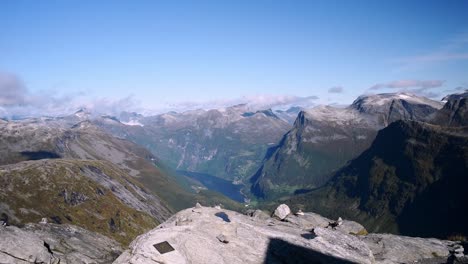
(412, 180)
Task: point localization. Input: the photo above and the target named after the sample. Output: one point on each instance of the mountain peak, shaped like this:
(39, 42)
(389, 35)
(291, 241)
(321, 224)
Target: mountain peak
(83, 113)
(385, 99)
(456, 96)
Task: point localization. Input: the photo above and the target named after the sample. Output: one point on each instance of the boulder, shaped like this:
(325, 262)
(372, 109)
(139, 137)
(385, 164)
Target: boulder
(20, 246)
(282, 211)
(351, 227)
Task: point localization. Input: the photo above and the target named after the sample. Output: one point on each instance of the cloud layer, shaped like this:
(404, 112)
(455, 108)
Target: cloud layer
(12, 91)
(16, 101)
(255, 102)
(420, 87)
(406, 84)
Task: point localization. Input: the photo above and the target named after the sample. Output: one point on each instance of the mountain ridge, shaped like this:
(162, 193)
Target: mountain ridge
(324, 138)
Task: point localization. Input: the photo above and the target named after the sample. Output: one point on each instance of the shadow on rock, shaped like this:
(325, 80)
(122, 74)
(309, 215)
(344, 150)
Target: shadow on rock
(280, 251)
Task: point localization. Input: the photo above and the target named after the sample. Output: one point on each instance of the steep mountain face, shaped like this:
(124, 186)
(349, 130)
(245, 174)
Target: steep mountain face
(454, 112)
(324, 138)
(228, 143)
(320, 141)
(290, 114)
(412, 180)
(391, 107)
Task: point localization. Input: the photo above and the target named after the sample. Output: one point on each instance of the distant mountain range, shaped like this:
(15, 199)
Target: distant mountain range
(386, 160)
(324, 138)
(411, 180)
(229, 143)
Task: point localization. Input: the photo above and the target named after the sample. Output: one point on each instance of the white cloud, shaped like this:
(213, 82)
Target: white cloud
(425, 88)
(336, 89)
(12, 90)
(255, 102)
(405, 84)
(16, 101)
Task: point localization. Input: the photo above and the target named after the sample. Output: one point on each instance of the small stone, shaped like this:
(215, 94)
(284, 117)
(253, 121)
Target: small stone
(198, 205)
(299, 212)
(43, 221)
(339, 221)
(222, 238)
(181, 221)
(250, 212)
(257, 214)
(313, 232)
(282, 211)
(459, 250)
(217, 207)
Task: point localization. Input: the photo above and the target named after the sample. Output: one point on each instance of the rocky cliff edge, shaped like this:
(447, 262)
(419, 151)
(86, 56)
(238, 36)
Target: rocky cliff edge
(214, 235)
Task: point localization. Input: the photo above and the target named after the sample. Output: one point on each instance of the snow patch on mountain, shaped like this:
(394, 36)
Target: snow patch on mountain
(387, 98)
(133, 123)
(339, 116)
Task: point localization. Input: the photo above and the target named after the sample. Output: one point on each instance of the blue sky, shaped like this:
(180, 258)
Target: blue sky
(181, 51)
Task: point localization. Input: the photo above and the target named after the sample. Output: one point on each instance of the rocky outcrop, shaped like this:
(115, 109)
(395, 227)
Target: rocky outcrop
(51, 243)
(454, 112)
(213, 235)
(389, 248)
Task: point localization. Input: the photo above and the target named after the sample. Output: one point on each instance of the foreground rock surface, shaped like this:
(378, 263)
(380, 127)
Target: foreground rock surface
(193, 236)
(51, 243)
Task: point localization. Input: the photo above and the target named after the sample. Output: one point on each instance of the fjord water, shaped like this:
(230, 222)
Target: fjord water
(217, 184)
